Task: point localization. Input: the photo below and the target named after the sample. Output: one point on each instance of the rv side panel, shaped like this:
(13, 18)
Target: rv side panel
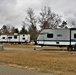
(54, 37)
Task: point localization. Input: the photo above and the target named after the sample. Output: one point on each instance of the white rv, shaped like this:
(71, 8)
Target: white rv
(57, 37)
(15, 38)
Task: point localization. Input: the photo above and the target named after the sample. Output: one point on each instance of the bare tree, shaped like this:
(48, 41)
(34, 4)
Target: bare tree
(4, 29)
(30, 19)
(63, 25)
(10, 28)
(48, 19)
(31, 22)
(23, 30)
(7, 29)
(16, 30)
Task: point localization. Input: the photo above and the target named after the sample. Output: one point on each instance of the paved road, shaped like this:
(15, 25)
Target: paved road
(6, 70)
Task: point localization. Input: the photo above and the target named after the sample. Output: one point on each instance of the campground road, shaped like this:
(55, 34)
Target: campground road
(6, 70)
(18, 48)
(37, 48)
(28, 48)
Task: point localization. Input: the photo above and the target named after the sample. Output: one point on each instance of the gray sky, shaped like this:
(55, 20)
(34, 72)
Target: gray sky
(13, 12)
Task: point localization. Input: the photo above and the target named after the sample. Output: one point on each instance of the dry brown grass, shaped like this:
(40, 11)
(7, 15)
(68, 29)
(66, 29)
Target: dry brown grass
(18, 45)
(59, 63)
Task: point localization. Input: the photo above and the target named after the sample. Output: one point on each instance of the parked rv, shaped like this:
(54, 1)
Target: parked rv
(15, 38)
(57, 37)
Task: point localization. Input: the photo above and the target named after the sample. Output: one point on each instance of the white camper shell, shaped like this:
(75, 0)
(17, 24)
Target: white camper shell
(57, 37)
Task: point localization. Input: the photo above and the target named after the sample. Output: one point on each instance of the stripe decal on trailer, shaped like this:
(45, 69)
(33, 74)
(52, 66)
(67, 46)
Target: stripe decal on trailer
(56, 42)
(73, 40)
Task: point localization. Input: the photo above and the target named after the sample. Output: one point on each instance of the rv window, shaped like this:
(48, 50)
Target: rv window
(3, 37)
(9, 37)
(49, 35)
(23, 38)
(15, 37)
(59, 35)
(74, 35)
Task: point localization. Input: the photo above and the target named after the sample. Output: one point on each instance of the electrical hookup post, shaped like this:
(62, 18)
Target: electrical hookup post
(37, 47)
(35, 43)
(34, 47)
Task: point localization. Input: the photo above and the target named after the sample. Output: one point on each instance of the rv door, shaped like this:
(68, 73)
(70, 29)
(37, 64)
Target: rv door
(73, 37)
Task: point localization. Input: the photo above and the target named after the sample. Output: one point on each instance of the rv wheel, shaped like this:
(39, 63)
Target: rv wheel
(73, 48)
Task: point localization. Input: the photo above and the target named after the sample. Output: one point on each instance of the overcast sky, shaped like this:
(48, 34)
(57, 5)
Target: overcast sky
(13, 12)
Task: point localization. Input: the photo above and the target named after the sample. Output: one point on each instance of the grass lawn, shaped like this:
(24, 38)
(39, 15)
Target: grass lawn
(58, 63)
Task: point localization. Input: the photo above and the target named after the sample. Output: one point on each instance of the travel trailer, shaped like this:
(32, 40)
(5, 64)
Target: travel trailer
(15, 38)
(57, 37)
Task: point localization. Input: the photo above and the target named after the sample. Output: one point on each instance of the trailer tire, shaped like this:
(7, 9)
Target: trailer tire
(74, 48)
